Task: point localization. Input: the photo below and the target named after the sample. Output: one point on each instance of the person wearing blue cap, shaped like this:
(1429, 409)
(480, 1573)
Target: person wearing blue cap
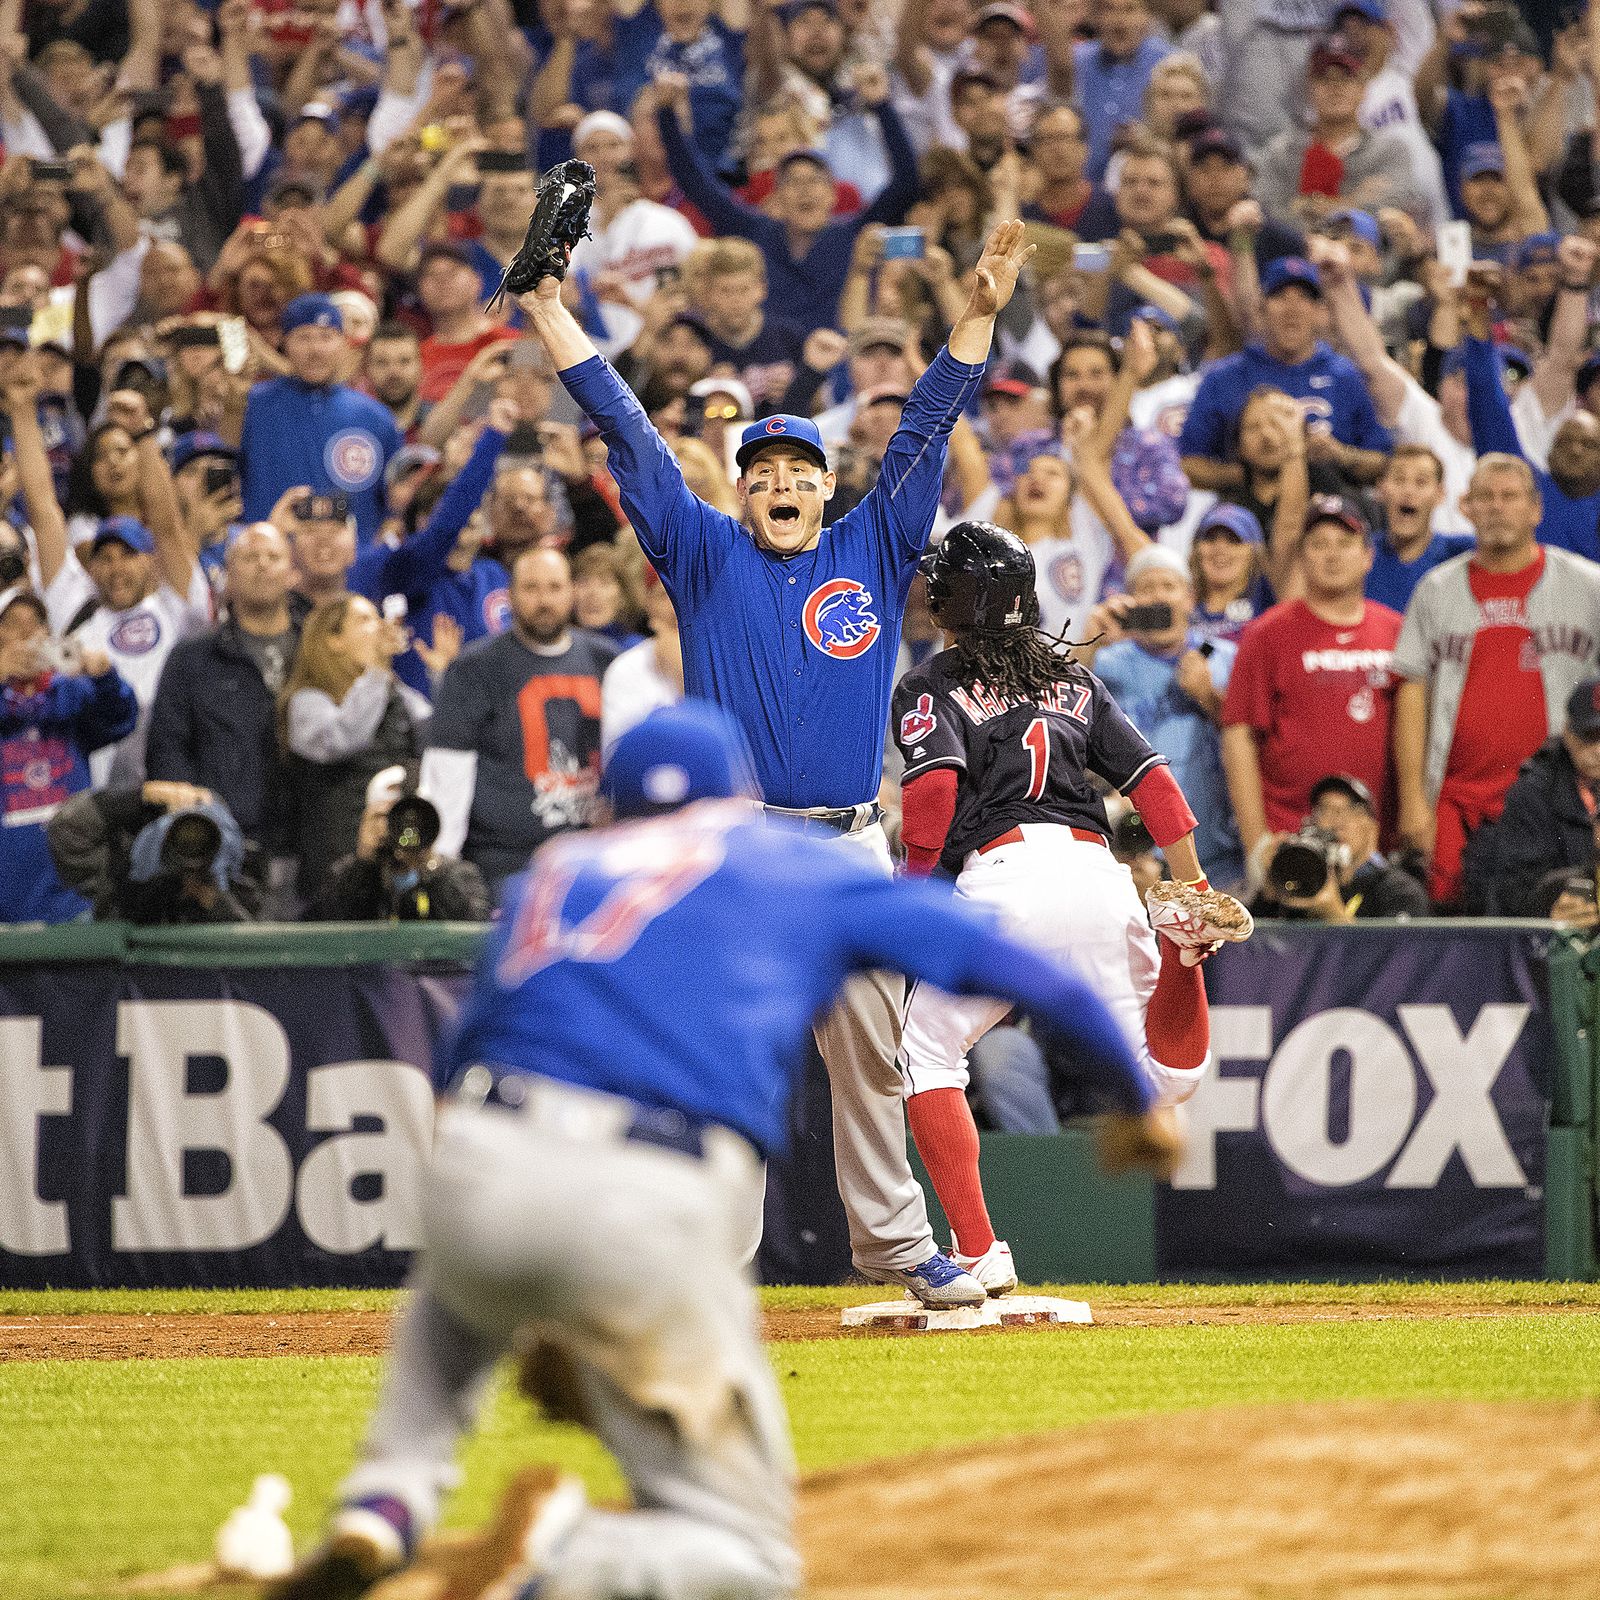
(619, 1073)
(1342, 427)
(793, 629)
(308, 430)
(136, 591)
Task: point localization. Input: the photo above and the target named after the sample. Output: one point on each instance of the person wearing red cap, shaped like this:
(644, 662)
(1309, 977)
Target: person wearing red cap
(1303, 174)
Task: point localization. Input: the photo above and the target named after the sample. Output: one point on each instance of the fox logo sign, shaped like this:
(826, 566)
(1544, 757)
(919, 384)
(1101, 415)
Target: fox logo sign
(1389, 1126)
(839, 619)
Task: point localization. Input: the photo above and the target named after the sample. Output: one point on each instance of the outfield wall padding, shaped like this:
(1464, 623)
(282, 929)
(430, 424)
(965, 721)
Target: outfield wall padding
(246, 1106)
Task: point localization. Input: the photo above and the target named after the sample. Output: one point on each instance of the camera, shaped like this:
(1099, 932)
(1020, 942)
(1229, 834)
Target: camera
(13, 565)
(321, 508)
(1152, 618)
(220, 478)
(1304, 862)
(413, 825)
(191, 846)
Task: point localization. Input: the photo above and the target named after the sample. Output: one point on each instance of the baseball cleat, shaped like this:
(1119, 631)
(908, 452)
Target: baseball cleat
(1198, 921)
(506, 1559)
(938, 1283)
(366, 1542)
(994, 1269)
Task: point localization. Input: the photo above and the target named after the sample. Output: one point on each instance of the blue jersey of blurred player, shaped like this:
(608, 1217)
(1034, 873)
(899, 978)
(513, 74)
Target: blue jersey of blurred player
(623, 1066)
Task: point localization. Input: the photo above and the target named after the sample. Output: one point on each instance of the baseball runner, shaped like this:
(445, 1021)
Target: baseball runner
(794, 630)
(623, 1065)
(1000, 735)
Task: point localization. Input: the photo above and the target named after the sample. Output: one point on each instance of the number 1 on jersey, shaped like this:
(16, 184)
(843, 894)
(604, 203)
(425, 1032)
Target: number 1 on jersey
(1036, 741)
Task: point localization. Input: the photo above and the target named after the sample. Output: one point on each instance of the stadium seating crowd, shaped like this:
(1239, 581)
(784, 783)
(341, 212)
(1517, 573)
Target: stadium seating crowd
(1297, 408)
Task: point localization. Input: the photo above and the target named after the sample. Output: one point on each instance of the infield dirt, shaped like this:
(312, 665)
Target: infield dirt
(1365, 1500)
(168, 1336)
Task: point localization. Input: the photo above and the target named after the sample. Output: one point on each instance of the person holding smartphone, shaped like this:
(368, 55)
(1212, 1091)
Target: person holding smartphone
(1170, 681)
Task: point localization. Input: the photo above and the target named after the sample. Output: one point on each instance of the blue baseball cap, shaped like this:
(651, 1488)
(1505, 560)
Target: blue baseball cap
(189, 447)
(1361, 223)
(1537, 248)
(690, 751)
(310, 311)
(1156, 316)
(129, 531)
(1240, 521)
(1370, 10)
(1291, 272)
(1481, 158)
(801, 432)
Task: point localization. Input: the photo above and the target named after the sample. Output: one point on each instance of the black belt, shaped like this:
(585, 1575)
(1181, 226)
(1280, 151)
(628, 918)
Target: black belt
(662, 1126)
(841, 821)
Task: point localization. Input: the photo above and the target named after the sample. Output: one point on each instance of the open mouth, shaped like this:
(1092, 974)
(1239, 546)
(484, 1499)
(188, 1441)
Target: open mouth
(785, 515)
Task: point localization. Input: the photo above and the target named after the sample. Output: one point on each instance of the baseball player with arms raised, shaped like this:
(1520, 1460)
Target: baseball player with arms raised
(621, 1068)
(794, 630)
(1000, 735)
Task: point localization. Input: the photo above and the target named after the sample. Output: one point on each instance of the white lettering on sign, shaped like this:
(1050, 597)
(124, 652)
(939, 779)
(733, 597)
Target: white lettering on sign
(159, 1038)
(1293, 1107)
(29, 1090)
(329, 1212)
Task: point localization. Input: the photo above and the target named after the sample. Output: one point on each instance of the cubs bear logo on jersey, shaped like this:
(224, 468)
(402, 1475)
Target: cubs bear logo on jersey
(919, 721)
(352, 458)
(839, 619)
(136, 635)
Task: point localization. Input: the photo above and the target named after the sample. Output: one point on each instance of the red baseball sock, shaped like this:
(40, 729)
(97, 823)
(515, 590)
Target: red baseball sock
(947, 1140)
(1177, 1023)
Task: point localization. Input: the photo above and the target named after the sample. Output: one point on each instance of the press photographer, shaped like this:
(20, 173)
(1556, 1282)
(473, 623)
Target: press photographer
(394, 875)
(1331, 870)
(160, 854)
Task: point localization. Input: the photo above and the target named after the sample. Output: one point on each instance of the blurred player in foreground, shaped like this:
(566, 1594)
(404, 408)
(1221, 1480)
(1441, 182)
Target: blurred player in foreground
(621, 1069)
(1000, 735)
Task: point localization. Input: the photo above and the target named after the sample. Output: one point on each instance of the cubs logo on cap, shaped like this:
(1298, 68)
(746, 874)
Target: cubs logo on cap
(839, 619)
(801, 432)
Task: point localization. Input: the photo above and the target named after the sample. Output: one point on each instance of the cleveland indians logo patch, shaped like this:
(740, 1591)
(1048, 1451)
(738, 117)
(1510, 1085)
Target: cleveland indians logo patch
(919, 722)
(839, 619)
(352, 459)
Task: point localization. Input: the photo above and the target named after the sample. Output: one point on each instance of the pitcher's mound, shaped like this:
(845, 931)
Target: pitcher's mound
(1360, 1500)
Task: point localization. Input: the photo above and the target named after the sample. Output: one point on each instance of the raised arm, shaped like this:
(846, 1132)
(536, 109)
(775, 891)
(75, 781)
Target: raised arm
(21, 397)
(900, 193)
(1557, 367)
(1509, 96)
(397, 244)
(1488, 409)
(647, 474)
(158, 499)
(693, 174)
(1357, 332)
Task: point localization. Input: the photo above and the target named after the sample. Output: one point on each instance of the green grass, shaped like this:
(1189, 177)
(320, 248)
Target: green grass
(278, 1302)
(118, 1467)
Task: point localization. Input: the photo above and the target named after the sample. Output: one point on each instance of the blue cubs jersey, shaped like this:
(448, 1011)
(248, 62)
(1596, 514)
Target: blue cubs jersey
(679, 961)
(333, 439)
(800, 650)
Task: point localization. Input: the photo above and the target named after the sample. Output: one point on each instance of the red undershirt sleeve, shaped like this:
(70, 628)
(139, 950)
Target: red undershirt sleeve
(1161, 806)
(927, 808)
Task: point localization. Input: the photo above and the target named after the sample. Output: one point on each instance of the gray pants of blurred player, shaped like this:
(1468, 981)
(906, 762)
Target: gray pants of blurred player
(858, 1038)
(627, 1257)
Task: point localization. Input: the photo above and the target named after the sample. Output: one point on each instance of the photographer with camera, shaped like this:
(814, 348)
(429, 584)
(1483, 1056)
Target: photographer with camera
(160, 854)
(394, 874)
(56, 709)
(1331, 870)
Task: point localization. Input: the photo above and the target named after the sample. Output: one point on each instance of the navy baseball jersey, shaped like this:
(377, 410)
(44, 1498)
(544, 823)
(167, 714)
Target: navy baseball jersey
(679, 962)
(533, 721)
(800, 651)
(1019, 760)
(333, 439)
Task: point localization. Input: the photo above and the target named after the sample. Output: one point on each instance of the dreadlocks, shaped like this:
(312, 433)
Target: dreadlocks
(1016, 663)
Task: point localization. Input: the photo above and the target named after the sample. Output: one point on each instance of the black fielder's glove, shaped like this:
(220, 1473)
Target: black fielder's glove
(560, 219)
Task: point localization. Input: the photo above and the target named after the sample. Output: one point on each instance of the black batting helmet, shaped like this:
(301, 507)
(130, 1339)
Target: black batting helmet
(981, 576)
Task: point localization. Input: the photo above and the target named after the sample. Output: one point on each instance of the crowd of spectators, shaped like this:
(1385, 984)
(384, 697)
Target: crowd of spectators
(316, 598)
